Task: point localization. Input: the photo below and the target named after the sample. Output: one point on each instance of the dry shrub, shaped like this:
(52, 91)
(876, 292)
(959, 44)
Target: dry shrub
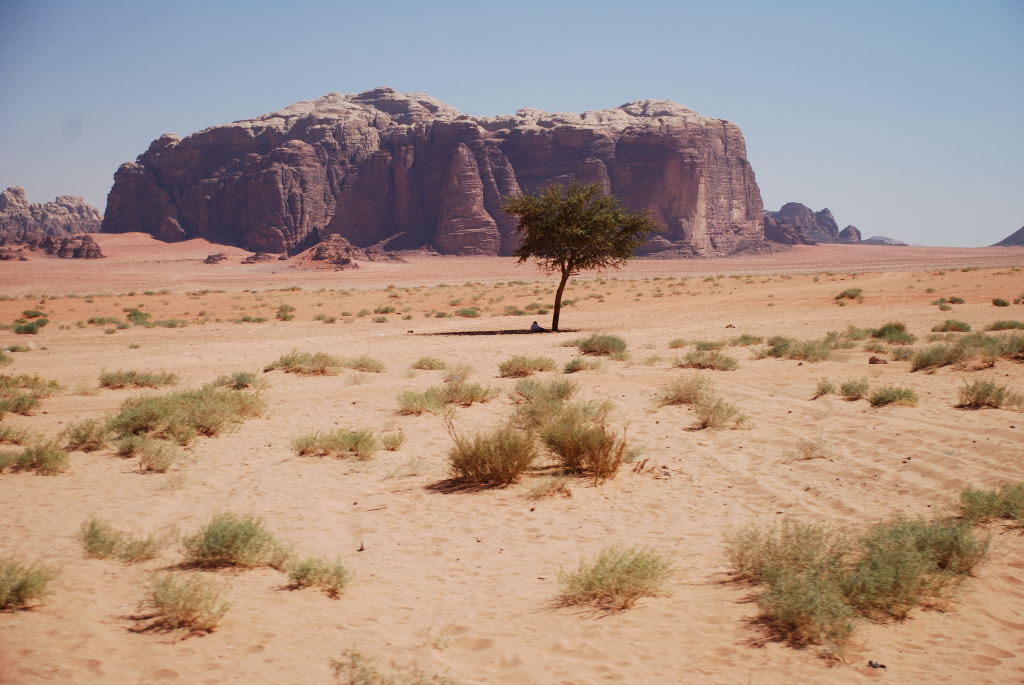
(979, 506)
(892, 395)
(824, 387)
(979, 394)
(363, 363)
(180, 601)
(707, 359)
(602, 344)
(577, 364)
(428, 364)
(184, 414)
(88, 435)
(136, 379)
(685, 390)
(578, 435)
(615, 579)
(330, 576)
(306, 363)
(45, 458)
(853, 389)
(496, 458)
(714, 412)
(240, 380)
(521, 366)
(100, 540)
(337, 443)
(234, 540)
(392, 441)
(21, 584)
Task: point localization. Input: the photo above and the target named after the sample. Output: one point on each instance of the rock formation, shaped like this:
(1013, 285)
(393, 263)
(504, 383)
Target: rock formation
(408, 171)
(1013, 240)
(850, 234)
(882, 240)
(797, 224)
(21, 222)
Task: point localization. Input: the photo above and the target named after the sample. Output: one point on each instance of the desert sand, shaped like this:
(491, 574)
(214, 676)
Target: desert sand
(462, 583)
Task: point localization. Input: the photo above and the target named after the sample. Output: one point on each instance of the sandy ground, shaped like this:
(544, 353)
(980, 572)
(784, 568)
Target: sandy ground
(461, 584)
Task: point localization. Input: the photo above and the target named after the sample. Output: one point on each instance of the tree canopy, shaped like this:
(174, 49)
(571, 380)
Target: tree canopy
(575, 227)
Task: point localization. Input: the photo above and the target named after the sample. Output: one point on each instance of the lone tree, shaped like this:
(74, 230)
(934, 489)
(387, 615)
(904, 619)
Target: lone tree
(575, 227)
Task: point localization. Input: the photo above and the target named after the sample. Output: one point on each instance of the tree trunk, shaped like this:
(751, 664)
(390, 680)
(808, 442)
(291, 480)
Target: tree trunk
(558, 299)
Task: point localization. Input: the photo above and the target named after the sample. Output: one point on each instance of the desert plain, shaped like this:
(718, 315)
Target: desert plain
(462, 583)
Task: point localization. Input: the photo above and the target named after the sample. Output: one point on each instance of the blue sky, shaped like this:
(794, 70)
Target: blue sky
(903, 117)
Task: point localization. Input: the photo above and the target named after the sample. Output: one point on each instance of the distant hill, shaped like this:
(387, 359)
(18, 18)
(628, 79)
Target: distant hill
(1015, 239)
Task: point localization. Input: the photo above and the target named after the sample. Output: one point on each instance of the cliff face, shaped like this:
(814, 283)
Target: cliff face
(24, 222)
(408, 171)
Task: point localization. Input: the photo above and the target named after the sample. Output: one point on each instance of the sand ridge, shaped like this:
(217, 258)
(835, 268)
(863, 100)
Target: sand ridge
(462, 583)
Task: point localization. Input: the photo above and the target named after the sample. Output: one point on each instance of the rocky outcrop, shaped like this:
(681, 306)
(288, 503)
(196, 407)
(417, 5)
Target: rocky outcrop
(72, 247)
(798, 224)
(22, 222)
(850, 234)
(1015, 239)
(883, 240)
(408, 171)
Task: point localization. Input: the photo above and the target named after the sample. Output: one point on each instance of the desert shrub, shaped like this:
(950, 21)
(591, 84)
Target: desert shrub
(233, 540)
(714, 412)
(853, 389)
(892, 395)
(88, 435)
(100, 540)
(354, 668)
(803, 350)
(902, 354)
(33, 314)
(853, 333)
(331, 576)
(952, 325)
(708, 345)
(496, 458)
(184, 414)
(685, 390)
(180, 601)
(530, 390)
(935, 356)
(363, 363)
(851, 294)
(980, 394)
(18, 403)
(137, 379)
(33, 384)
(806, 448)
(1005, 325)
(428, 364)
(583, 443)
(12, 435)
(877, 347)
(997, 301)
(30, 327)
(239, 380)
(337, 443)
(549, 487)
(707, 359)
(285, 312)
(521, 366)
(824, 387)
(392, 441)
(5, 358)
(384, 309)
(306, 363)
(616, 578)
(21, 584)
(468, 312)
(676, 343)
(894, 333)
(47, 459)
(602, 344)
(580, 364)
(979, 506)
(745, 340)
(157, 456)
(413, 402)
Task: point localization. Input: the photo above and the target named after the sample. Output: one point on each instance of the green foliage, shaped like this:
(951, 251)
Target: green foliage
(521, 366)
(285, 312)
(936, 355)
(601, 344)
(184, 414)
(577, 364)
(952, 325)
(240, 380)
(893, 395)
(46, 459)
(853, 389)
(468, 312)
(330, 576)
(31, 327)
(745, 340)
(21, 584)
(574, 228)
(616, 578)
(979, 394)
(185, 601)
(136, 379)
(496, 458)
(707, 359)
(100, 540)
(234, 540)
(804, 350)
(824, 387)
(894, 333)
(88, 435)
(337, 443)
(428, 364)
(851, 294)
(1005, 325)
(306, 363)
(998, 302)
(979, 506)
(714, 412)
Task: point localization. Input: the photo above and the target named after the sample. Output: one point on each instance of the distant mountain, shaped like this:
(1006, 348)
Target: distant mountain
(798, 224)
(21, 221)
(882, 240)
(1015, 239)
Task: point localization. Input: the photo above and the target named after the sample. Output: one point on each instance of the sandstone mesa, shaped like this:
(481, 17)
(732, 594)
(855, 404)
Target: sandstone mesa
(405, 171)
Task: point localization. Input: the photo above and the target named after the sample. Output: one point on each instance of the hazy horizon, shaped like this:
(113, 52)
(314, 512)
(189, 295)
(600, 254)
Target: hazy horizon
(903, 119)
